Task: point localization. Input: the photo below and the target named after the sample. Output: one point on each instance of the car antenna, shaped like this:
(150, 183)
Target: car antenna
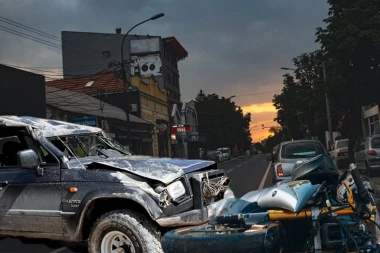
(70, 151)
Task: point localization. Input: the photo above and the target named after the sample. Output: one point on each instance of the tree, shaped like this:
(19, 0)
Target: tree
(222, 121)
(351, 40)
(301, 104)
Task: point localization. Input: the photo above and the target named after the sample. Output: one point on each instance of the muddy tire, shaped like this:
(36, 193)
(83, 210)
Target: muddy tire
(124, 229)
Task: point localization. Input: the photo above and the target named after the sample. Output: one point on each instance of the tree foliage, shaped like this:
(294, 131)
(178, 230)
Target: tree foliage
(351, 40)
(302, 105)
(222, 121)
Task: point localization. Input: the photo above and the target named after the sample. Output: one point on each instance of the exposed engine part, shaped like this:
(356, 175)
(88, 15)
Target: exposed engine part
(164, 199)
(211, 189)
(334, 236)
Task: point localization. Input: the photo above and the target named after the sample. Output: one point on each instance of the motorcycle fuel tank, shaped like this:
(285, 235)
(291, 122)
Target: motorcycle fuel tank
(290, 196)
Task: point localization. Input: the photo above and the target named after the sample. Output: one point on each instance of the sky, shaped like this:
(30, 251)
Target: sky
(235, 47)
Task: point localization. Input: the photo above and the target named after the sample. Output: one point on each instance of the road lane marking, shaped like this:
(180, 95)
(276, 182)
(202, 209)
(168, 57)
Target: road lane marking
(59, 250)
(237, 166)
(265, 177)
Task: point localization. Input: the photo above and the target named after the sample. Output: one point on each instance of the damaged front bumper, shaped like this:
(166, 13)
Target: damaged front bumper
(193, 217)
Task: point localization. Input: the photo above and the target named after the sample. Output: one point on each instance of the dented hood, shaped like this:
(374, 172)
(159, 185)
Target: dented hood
(165, 170)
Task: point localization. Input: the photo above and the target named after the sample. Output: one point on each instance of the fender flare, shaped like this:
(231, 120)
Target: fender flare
(128, 193)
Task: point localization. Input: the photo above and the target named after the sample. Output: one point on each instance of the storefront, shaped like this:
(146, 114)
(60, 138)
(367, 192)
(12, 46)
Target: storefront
(371, 123)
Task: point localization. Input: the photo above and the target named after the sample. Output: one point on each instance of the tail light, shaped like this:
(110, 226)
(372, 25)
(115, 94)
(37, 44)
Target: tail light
(280, 173)
(371, 152)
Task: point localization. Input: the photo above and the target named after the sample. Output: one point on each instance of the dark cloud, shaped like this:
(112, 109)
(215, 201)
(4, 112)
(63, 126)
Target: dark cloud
(235, 47)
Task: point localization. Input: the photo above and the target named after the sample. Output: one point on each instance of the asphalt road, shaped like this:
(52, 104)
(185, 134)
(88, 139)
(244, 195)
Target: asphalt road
(247, 174)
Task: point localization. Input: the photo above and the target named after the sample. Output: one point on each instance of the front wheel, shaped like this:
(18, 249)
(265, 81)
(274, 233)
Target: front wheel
(124, 231)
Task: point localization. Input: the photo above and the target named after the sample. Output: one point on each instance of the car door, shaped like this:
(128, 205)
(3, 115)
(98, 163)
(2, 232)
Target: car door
(30, 202)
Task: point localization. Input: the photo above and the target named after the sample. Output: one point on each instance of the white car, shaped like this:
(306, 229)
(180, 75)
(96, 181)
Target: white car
(226, 152)
(339, 153)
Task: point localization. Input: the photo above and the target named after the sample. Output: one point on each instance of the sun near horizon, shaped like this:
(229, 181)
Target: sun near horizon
(261, 114)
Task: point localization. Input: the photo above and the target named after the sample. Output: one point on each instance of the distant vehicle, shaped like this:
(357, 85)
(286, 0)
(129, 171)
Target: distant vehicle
(339, 153)
(367, 155)
(291, 153)
(226, 153)
(220, 154)
(213, 155)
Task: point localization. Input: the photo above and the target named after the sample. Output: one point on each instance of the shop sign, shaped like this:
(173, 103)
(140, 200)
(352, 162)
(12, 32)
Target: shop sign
(181, 128)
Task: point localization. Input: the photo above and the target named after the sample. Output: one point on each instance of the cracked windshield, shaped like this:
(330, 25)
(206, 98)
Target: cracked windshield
(189, 126)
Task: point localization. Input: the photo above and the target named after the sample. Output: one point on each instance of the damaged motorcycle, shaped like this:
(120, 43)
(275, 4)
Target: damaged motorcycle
(318, 211)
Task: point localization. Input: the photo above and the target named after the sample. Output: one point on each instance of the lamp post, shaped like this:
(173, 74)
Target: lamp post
(126, 86)
(329, 123)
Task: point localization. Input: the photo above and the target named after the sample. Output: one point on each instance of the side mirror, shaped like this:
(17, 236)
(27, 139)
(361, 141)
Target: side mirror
(28, 159)
(269, 158)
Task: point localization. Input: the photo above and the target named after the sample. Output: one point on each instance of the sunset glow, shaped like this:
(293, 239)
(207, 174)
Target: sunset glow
(261, 114)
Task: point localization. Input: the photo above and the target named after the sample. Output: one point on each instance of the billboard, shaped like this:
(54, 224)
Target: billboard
(144, 46)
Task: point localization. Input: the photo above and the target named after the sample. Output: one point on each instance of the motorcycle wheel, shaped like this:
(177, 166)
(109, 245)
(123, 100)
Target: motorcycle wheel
(199, 239)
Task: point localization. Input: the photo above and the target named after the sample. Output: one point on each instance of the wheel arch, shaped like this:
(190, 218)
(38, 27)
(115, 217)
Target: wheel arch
(96, 205)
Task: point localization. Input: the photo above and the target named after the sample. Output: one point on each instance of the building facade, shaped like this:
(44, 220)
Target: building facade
(145, 56)
(85, 53)
(22, 93)
(145, 100)
(154, 108)
(370, 120)
(186, 143)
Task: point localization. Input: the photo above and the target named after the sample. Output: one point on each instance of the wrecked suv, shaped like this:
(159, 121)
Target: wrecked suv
(67, 182)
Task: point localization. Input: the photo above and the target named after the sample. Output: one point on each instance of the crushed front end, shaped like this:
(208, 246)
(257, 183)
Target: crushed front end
(201, 189)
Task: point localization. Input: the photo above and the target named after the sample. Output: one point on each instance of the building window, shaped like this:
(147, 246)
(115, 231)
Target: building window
(106, 54)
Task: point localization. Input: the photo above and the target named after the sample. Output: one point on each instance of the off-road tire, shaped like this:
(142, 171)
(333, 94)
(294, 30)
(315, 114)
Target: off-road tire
(141, 231)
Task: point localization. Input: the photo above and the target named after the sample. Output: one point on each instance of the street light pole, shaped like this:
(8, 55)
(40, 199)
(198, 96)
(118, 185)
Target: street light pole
(327, 107)
(126, 86)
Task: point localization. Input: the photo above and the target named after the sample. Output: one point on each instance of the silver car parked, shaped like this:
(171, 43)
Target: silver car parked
(367, 154)
(291, 153)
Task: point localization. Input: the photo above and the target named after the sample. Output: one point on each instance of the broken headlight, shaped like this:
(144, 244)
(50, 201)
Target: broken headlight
(176, 190)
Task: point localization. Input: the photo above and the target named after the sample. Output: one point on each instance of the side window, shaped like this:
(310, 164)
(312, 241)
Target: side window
(362, 147)
(45, 156)
(9, 146)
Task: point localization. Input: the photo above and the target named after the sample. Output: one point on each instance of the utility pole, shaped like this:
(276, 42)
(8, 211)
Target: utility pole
(327, 107)
(126, 83)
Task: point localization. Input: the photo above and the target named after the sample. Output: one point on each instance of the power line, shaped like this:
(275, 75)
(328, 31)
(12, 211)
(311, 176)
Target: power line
(61, 67)
(47, 74)
(47, 35)
(45, 42)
